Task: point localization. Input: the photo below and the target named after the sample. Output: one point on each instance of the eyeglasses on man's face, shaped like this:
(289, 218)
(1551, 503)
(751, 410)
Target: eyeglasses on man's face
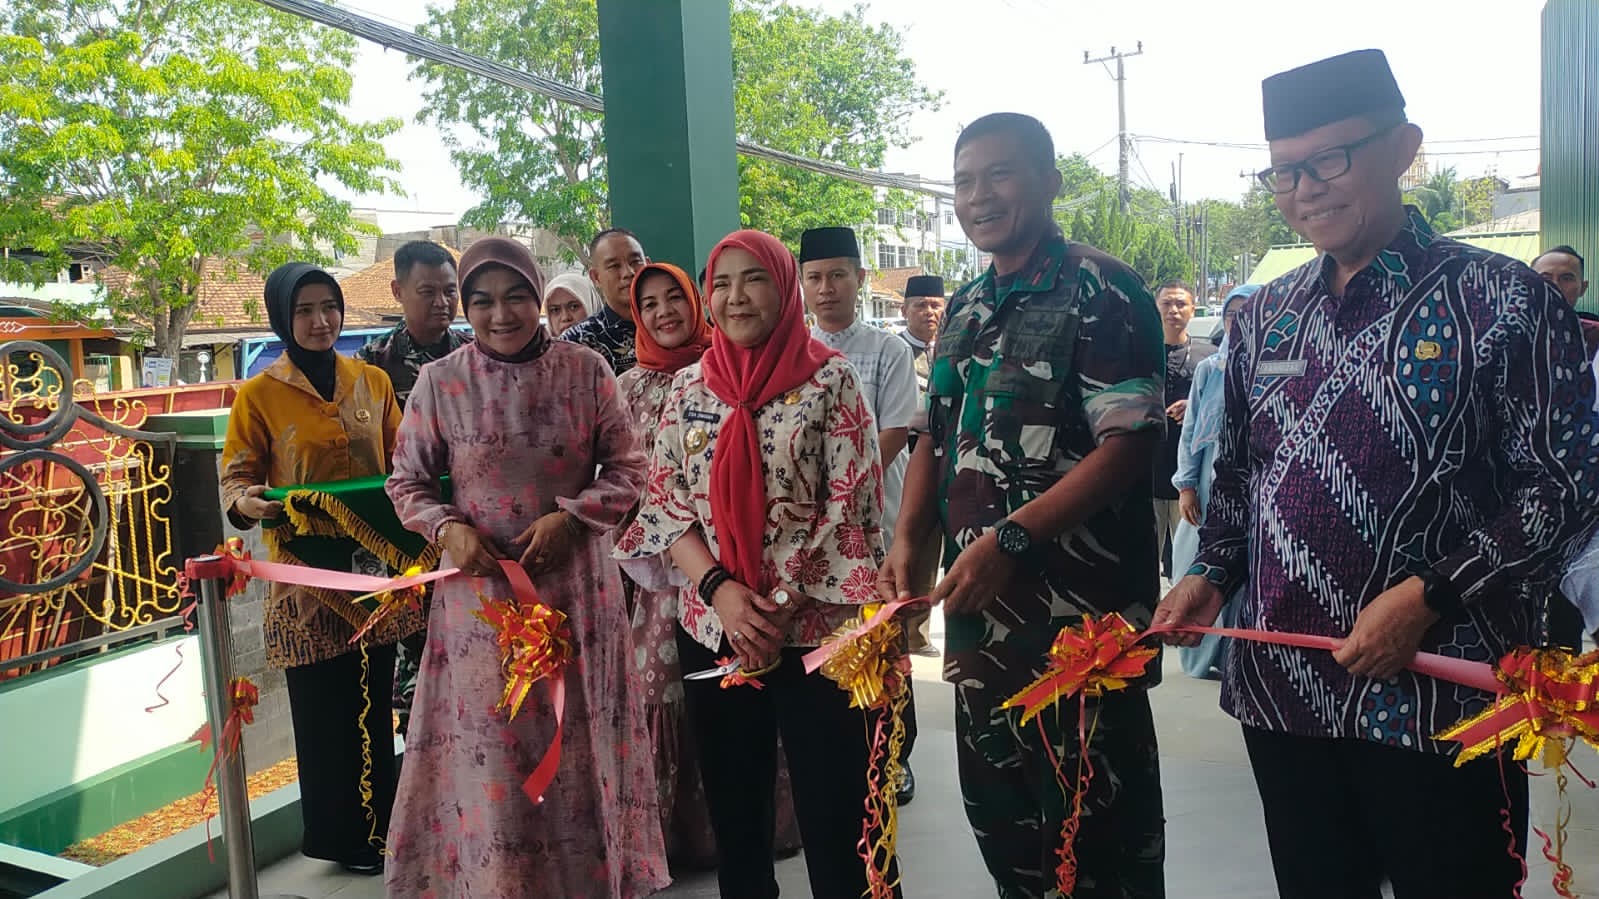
(1333, 162)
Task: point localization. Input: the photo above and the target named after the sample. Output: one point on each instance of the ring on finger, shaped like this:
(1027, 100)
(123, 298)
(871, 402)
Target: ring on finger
(781, 597)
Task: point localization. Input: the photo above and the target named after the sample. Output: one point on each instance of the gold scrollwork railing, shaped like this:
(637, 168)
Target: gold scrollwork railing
(85, 538)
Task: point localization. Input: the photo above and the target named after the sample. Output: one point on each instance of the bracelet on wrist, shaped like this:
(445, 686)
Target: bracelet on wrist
(711, 581)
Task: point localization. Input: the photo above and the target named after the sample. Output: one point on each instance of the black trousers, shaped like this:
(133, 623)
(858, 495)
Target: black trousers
(325, 703)
(1342, 816)
(827, 744)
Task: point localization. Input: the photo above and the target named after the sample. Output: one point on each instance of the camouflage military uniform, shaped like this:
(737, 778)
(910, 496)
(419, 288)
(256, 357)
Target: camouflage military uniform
(1031, 373)
(401, 356)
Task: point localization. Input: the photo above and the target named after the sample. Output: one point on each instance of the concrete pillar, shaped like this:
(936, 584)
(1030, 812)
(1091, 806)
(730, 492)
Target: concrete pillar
(669, 139)
(1570, 133)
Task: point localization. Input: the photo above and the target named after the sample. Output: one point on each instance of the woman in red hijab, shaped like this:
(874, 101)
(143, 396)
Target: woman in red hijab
(765, 493)
(673, 333)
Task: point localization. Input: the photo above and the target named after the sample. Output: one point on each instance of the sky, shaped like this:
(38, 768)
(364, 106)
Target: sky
(1469, 69)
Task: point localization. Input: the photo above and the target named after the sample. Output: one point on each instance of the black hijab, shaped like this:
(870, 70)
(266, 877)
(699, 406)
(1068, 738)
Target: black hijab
(320, 368)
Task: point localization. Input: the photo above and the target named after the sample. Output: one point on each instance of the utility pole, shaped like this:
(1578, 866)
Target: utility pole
(1120, 76)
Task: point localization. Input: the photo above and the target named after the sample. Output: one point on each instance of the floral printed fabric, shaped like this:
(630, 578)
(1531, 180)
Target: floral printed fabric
(823, 487)
(519, 440)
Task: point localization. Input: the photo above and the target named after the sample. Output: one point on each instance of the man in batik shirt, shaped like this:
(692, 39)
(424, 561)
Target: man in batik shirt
(424, 285)
(1408, 457)
(615, 257)
(1045, 411)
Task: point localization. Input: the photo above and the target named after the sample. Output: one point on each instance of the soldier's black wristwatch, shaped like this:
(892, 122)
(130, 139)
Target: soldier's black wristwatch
(1013, 539)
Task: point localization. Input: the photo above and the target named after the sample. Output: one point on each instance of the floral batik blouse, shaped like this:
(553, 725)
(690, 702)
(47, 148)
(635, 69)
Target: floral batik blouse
(824, 496)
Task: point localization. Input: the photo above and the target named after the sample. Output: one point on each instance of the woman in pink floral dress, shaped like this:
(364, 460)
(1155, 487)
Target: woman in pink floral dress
(520, 423)
(673, 334)
(764, 491)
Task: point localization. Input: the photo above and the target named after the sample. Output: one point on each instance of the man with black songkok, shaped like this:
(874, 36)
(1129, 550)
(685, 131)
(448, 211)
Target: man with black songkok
(1408, 456)
(831, 276)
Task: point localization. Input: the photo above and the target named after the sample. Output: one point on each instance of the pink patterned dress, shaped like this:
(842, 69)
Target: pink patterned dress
(520, 440)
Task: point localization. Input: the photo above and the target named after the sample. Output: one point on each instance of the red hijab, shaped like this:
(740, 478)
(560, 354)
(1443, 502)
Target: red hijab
(652, 355)
(748, 379)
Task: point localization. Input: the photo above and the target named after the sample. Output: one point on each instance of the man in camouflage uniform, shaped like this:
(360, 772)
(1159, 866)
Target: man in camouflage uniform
(1045, 409)
(424, 284)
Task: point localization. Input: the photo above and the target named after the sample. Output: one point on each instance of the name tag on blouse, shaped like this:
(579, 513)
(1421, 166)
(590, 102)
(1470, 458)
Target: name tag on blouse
(1280, 368)
(701, 415)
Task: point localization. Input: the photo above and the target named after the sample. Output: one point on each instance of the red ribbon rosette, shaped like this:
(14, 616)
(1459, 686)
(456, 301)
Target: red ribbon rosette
(1549, 697)
(390, 602)
(233, 548)
(535, 644)
(1094, 658)
(243, 697)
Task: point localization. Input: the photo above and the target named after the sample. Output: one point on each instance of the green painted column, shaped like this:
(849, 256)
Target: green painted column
(669, 139)
(1569, 186)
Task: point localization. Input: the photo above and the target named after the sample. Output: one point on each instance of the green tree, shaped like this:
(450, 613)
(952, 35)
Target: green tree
(1474, 199)
(1438, 201)
(532, 159)
(831, 87)
(165, 138)
(1150, 249)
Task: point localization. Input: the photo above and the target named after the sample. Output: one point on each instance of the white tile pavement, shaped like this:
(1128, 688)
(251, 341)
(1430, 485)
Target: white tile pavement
(1216, 846)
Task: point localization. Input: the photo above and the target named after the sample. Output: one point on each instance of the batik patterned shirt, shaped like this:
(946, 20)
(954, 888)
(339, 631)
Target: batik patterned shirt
(824, 496)
(608, 334)
(1438, 414)
(1031, 374)
(398, 353)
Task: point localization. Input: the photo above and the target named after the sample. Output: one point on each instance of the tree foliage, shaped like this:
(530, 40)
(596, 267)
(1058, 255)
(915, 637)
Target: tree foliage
(831, 87)
(1449, 204)
(531, 158)
(1143, 237)
(163, 139)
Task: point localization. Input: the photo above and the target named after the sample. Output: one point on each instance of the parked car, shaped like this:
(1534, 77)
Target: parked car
(1205, 327)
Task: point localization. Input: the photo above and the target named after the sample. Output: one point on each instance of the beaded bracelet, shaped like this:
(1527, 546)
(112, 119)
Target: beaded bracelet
(712, 581)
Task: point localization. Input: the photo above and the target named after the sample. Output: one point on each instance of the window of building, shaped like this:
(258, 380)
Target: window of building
(885, 217)
(886, 256)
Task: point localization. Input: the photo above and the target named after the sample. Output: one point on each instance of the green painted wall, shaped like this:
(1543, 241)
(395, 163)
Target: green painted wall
(55, 821)
(1570, 138)
(669, 140)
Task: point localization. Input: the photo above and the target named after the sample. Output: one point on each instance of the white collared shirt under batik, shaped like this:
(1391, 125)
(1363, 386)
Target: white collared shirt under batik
(1437, 415)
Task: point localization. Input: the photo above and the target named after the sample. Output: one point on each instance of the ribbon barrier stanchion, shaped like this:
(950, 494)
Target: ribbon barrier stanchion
(213, 574)
(216, 673)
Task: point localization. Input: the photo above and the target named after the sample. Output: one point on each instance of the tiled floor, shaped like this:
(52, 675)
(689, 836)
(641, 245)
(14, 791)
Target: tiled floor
(1215, 839)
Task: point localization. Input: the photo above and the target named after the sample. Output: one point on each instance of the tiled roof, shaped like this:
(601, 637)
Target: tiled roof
(367, 291)
(893, 280)
(231, 301)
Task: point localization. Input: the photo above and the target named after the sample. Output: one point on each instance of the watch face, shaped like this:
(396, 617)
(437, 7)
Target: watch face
(1013, 538)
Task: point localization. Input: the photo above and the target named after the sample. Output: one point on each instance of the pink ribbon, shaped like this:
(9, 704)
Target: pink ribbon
(1479, 675)
(818, 656)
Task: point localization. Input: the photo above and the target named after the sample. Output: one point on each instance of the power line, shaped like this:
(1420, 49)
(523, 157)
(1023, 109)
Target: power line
(1120, 77)
(415, 45)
